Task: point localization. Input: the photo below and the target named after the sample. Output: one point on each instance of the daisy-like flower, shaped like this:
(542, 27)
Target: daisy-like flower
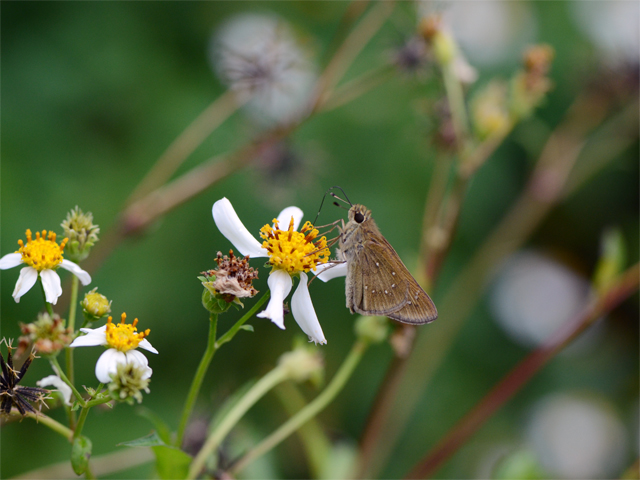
(290, 252)
(121, 341)
(42, 256)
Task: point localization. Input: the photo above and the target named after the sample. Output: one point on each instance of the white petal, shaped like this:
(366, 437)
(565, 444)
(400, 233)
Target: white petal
(304, 314)
(10, 260)
(331, 270)
(108, 364)
(56, 381)
(84, 277)
(280, 285)
(93, 337)
(26, 280)
(102, 329)
(134, 356)
(232, 228)
(285, 217)
(51, 285)
(147, 346)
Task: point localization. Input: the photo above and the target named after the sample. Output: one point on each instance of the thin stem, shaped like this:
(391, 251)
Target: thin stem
(85, 410)
(625, 286)
(52, 424)
(229, 334)
(185, 144)
(101, 465)
(350, 48)
(314, 440)
(309, 411)
(212, 348)
(254, 394)
(196, 384)
(68, 352)
(56, 368)
(455, 97)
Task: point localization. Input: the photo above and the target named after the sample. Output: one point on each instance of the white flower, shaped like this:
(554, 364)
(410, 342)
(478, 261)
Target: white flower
(122, 340)
(578, 436)
(42, 256)
(259, 58)
(489, 32)
(56, 381)
(291, 253)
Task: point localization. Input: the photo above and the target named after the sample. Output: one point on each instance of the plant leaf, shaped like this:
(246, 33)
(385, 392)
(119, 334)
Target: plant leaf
(80, 454)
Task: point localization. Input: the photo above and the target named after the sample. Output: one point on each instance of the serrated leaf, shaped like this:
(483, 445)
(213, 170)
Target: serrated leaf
(248, 328)
(171, 463)
(163, 430)
(80, 454)
(151, 440)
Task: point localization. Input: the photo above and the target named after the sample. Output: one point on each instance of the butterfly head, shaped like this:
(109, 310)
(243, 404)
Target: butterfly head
(359, 213)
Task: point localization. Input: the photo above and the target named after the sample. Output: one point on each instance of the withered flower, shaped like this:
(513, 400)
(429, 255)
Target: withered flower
(232, 279)
(14, 395)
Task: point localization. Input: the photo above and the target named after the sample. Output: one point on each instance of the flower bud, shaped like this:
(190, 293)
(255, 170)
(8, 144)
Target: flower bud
(128, 382)
(78, 227)
(48, 334)
(489, 110)
(613, 258)
(304, 362)
(95, 305)
(372, 329)
(530, 85)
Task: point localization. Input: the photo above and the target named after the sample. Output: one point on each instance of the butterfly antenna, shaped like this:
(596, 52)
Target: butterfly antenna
(334, 196)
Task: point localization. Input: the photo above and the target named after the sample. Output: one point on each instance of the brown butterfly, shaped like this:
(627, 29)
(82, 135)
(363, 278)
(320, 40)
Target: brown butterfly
(377, 281)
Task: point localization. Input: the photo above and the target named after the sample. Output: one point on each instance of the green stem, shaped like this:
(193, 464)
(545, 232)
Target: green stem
(56, 368)
(68, 352)
(455, 97)
(85, 411)
(266, 383)
(52, 424)
(233, 330)
(308, 412)
(198, 378)
(212, 347)
(44, 295)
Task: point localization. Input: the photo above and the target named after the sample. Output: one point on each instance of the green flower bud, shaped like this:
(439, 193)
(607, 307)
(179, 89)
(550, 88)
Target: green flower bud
(372, 329)
(304, 362)
(128, 382)
(613, 258)
(489, 111)
(95, 305)
(78, 227)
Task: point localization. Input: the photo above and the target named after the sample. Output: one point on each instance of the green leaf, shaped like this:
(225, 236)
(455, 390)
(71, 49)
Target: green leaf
(171, 463)
(80, 454)
(248, 328)
(164, 432)
(151, 440)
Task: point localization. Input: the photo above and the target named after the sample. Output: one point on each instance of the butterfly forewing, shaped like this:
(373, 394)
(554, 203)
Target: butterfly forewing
(378, 283)
(379, 288)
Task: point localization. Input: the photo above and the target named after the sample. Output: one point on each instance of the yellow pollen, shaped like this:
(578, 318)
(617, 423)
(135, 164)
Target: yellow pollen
(42, 253)
(124, 337)
(294, 251)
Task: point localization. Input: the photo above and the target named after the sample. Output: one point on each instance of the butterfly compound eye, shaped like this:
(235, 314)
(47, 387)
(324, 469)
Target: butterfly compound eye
(358, 217)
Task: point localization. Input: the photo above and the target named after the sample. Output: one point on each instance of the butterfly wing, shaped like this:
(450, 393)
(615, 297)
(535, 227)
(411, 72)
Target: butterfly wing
(379, 284)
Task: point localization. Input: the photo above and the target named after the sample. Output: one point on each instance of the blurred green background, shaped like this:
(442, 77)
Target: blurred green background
(93, 93)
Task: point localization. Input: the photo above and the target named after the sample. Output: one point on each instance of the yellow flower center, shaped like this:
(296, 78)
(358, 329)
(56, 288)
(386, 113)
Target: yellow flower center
(294, 251)
(124, 337)
(43, 253)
